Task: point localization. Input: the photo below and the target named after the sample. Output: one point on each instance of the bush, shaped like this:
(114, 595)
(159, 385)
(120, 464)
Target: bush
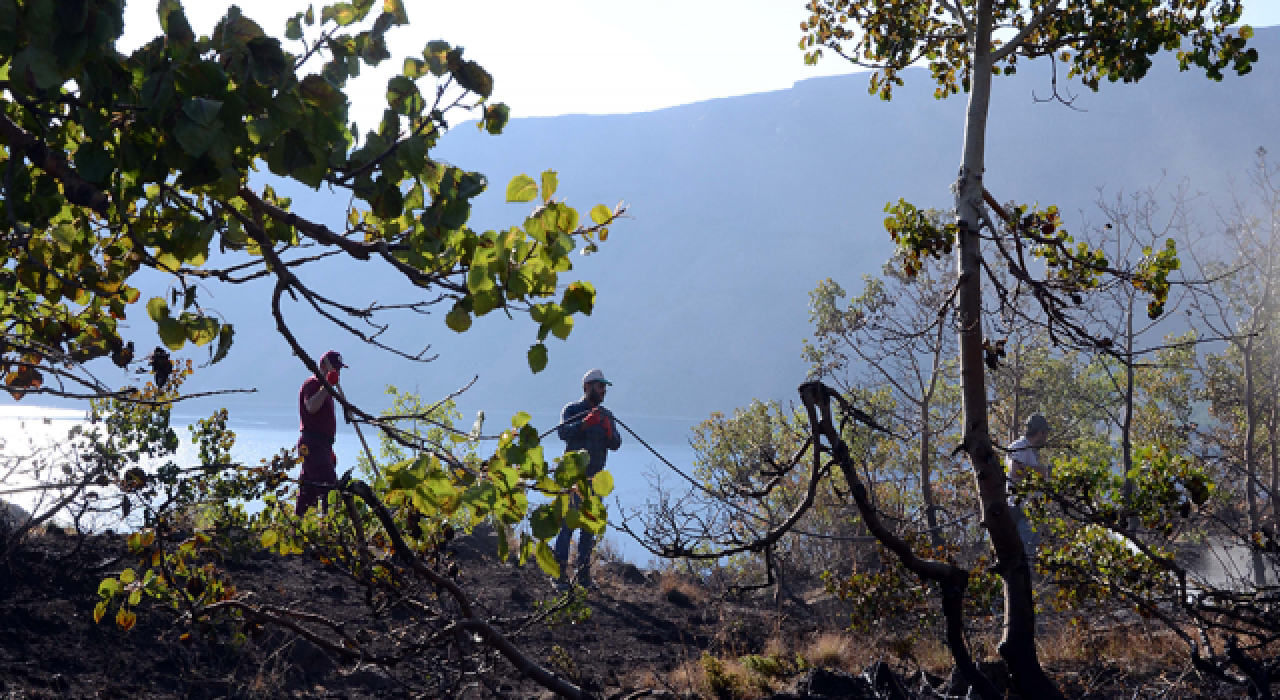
(768, 665)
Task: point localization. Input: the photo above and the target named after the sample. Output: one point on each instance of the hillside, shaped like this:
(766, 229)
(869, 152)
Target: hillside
(739, 206)
(646, 635)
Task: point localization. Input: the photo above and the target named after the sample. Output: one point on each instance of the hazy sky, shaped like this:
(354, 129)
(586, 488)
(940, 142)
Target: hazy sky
(585, 56)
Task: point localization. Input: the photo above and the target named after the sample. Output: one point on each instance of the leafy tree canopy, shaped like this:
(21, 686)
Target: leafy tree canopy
(1100, 40)
(113, 163)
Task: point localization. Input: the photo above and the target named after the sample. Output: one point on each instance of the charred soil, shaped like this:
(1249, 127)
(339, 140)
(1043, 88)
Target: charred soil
(641, 633)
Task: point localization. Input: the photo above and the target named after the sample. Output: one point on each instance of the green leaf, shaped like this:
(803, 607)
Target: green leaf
(496, 117)
(538, 358)
(526, 548)
(414, 67)
(395, 8)
(478, 280)
(520, 420)
(269, 539)
(173, 21)
(412, 154)
(543, 522)
(202, 331)
(504, 541)
(416, 198)
(602, 484)
(202, 110)
(108, 588)
(458, 320)
(93, 162)
(293, 27)
(471, 76)
(522, 189)
(237, 30)
(547, 560)
(128, 576)
(567, 220)
(571, 468)
(601, 214)
(437, 55)
(317, 91)
(135, 597)
(562, 327)
(592, 518)
(193, 138)
(268, 60)
(573, 518)
(549, 183)
(157, 309)
(342, 13)
(310, 17)
(225, 336)
(403, 96)
(99, 611)
(38, 67)
(172, 333)
(580, 297)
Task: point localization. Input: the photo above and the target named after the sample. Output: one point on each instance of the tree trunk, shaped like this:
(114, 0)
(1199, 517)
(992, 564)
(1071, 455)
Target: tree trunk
(926, 478)
(926, 438)
(1272, 425)
(1250, 463)
(1015, 370)
(1126, 430)
(1018, 645)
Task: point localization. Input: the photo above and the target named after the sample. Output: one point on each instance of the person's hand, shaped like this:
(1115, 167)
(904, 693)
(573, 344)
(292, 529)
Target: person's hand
(332, 377)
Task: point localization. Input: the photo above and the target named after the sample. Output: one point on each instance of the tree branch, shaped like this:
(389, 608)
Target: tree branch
(1013, 44)
(76, 189)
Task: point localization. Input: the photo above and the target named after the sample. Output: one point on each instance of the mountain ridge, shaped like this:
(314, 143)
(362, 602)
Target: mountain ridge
(739, 207)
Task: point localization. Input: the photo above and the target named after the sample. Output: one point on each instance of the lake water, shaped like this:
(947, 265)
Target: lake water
(25, 428)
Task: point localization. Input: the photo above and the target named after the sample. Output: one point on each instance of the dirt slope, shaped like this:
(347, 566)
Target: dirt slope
(639, 634)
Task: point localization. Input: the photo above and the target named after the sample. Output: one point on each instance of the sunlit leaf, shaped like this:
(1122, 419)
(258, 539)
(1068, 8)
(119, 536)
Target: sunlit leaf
(602, 484)
(522, 188)
(549, 184)
(547, 560)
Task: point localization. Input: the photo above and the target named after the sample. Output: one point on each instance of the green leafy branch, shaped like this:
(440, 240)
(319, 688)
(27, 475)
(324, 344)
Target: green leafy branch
(146, 163)
(1111, 41)
(918, 234)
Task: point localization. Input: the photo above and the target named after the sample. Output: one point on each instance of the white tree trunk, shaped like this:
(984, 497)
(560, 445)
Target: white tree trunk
(1018, 646)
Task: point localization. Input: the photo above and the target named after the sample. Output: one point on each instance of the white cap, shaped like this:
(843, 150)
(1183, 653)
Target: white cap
(595, 375)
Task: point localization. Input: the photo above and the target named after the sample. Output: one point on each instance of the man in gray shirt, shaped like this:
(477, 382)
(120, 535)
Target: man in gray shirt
(1024, 456)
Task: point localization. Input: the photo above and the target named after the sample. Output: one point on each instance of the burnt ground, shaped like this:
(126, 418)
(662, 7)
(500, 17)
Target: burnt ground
(50, 646)
(639, 634)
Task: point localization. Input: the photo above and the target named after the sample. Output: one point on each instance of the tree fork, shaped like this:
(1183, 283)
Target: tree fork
(952, 579)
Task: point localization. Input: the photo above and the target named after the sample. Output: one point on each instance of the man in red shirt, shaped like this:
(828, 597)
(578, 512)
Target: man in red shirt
(319, 425)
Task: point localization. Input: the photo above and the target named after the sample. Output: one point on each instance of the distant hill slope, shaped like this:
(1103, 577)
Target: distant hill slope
(740, 206)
